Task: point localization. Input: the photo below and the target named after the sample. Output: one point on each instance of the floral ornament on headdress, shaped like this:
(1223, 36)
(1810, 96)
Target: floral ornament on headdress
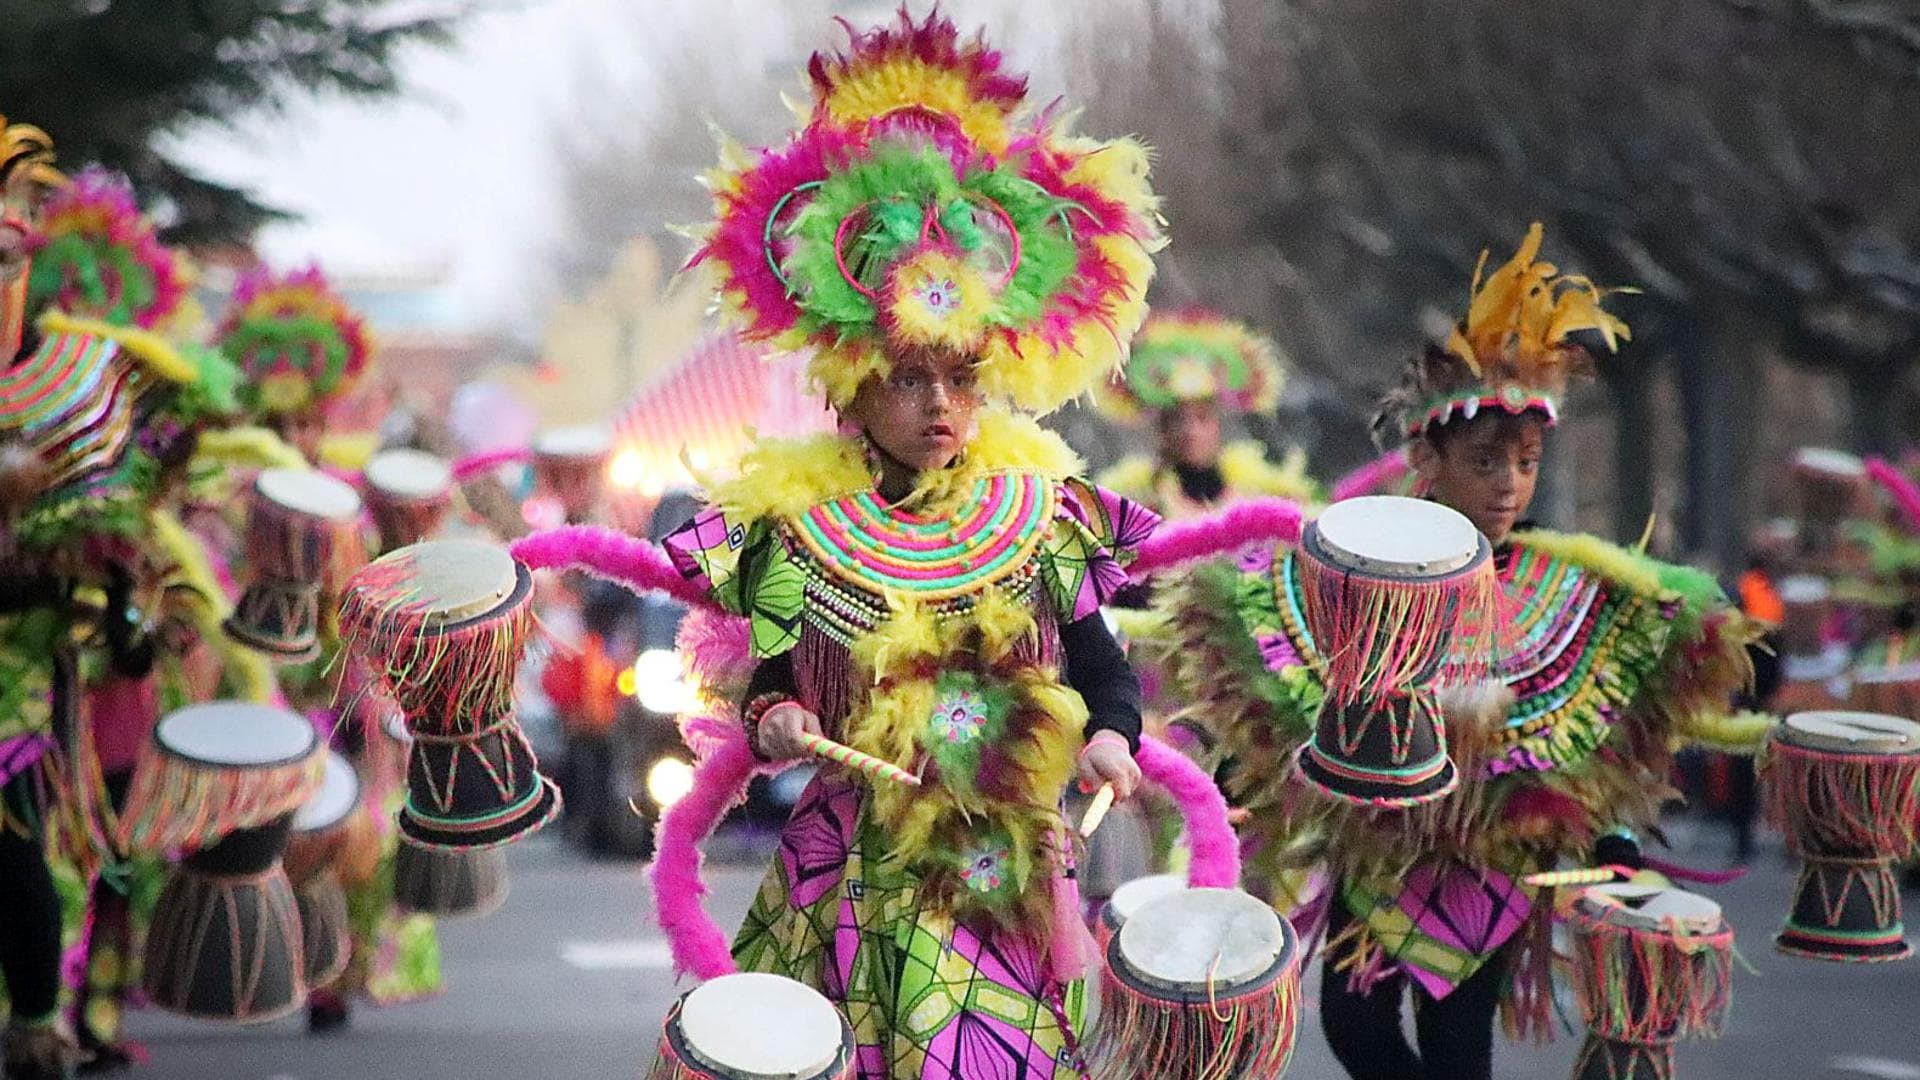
(96, 256)
(1513, 352)
(1196, 355)
(296, 341)
(921, 207)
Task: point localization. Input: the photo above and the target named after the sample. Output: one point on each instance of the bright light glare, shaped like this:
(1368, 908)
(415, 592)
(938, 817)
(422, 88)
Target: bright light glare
(669, 781)
(661, 684)
(628, 469)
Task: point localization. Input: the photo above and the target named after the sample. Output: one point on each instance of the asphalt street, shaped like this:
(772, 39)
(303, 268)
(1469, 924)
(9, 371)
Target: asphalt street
(569, 980)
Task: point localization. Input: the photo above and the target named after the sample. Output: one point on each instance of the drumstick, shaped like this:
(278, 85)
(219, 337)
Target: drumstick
(1599, 875)
(1097, 810)
(866, 764)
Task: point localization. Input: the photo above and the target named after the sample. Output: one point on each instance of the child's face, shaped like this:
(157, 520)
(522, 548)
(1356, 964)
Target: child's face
(921, 413)
(1486, 468)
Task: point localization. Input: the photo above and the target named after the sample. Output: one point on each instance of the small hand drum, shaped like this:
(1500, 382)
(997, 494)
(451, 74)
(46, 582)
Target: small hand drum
(225, 778)
(1652, 966)
(1399, 596)
(444, 626)
(319, 832)
(1846, 788)
(294, 522)
(754, 1027)
(1889, 691)
(1199, 984)
(408, 495)
(570, 465)
(1128, 899)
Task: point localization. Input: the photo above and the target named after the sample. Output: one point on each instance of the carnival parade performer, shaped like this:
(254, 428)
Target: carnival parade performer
(1189, 373)
(1607, 661)
(925, 585)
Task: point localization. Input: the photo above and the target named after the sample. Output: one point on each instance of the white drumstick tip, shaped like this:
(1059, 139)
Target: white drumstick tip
(1097, 811)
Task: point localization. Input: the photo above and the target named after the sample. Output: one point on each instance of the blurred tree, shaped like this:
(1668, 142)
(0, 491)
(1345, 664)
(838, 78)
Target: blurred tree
(108, 80)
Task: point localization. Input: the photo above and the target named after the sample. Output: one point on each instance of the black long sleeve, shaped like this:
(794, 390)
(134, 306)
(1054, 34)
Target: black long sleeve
(774, 675)
(1097, 669)
(130, 650)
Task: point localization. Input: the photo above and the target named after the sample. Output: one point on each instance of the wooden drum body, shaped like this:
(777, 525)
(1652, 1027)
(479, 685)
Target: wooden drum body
(294, 522)
(1652, 966)
(409, 493)
(319, 834)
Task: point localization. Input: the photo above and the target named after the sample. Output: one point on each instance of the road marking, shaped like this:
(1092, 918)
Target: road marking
(632, 954)
(1879, 1068)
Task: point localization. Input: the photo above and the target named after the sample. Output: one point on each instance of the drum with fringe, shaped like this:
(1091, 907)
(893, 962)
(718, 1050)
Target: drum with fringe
(319, 833)
(299, 525)
(409, 493)
(1399, 597)
(223, 780)
(754, 1027)
(1128, 898)
(1890, 691)
(444, 626)
(1652, 965)
(1200, 984)
(1845, 786)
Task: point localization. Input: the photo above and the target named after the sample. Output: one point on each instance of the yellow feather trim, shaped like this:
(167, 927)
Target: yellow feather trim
(246, 669)
(155, 353)
(782, 478)
(349, 450)
(1131, 476)
(1246, 470)
(246, 447)
(1609, 560)
(1734, 733)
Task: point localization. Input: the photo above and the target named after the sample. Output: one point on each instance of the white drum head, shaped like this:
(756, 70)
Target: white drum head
(1397, 537)
(1839, 463)
(457, 579)
(411, 475)
(1651, 907)
(234, 733)
(574, 442)
(1897, 675)
(1852, 733)
(308, 492)
(759, 1026)
(1196, 937)
(1129, 897)
(330, 804)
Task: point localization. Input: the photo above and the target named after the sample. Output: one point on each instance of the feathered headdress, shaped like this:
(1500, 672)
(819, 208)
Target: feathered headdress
(1196, 355)
(295, 339)
(921, 205)
(1512, 352)
(96, 256)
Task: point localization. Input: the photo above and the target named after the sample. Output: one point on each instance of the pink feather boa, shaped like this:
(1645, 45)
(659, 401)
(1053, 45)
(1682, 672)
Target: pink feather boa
(1215, 861)
(1376, 477)
(1904, 493)
(473, 465)
(1219, 533)
(622, 559)
(700, 948)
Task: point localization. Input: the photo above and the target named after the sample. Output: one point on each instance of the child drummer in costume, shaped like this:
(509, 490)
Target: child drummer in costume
(1608, 660)
(925, 586)
(1189, 372)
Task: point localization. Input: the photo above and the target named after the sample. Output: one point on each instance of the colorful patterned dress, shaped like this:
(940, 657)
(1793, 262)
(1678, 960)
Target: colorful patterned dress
(931, 634)
(1612, 660)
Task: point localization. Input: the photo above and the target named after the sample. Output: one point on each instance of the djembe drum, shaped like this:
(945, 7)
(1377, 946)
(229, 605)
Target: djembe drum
(222, 781)
(319, 834)
(408, 495)
(295, 521)
(1652, 966)
(754, 1027)
(1398, 596)
(442, 882)
(1199, 984)
(570, 465)
(1833, 489)
(444, 626)
(1845, 787)
(1888, 690)
(1128, 899)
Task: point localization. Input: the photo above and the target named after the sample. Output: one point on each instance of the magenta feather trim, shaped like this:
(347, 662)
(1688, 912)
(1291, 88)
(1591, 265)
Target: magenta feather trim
(473, 465)
(1904, 493)
(1268, 520)
(1215, 850)
(718, 648)
(698, 945)
(624, 560)
(1381, 476)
